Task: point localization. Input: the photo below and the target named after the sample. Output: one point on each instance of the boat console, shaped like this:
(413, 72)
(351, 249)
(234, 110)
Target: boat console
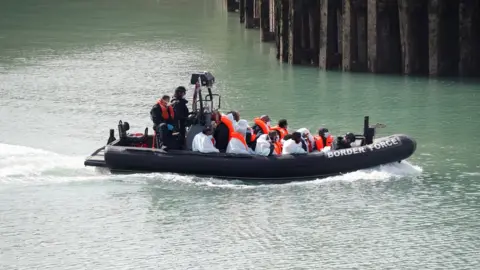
(203, 105)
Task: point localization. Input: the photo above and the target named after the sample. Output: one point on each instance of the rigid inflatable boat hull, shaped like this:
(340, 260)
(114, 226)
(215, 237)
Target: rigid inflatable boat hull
(252, 167)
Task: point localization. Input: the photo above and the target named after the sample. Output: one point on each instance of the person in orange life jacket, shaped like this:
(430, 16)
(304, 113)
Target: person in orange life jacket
(261, 125)
(162, 112)
(293, 144)
(162, 116)
(344, 142)
(203, 142)
(225, 127)
(277, 145)
(324, 139)
(180, 109)
(308, 139)
(237, 143)
(281, 128)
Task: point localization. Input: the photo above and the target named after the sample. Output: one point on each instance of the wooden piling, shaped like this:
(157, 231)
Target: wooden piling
(231, 5)
(313, 52)
(241, 10)
(443, 37)
(305, 32)
(249, 6)
(328, 44)
(350, 37)
(282, 30)
(294, 31)
(265, 33)
(360, 7)
(435, 37)
(413, 15)
(277, 21)
(469, 38)
(383, 38)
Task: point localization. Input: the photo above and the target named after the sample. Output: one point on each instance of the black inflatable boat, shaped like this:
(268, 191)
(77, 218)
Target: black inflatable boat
(134, 153)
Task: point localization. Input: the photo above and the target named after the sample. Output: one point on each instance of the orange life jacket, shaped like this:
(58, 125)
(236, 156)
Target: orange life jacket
(239, 137)
(283, 131)
(262, 125)
(229, 125)
(319, 142)
(277, 148)
(167, 110)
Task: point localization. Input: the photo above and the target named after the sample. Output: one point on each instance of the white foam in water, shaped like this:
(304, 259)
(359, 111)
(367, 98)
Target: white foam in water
(379, 173)
(25, 164)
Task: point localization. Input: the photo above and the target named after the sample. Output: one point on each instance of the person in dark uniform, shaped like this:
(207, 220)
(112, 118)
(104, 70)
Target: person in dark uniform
(162, 116)
(179, 104)
(344, 142)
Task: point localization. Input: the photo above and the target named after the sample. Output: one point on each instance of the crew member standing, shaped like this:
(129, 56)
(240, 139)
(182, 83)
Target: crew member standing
(180, 109)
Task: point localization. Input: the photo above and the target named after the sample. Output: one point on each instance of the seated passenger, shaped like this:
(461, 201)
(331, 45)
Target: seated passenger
(203, 142)
(162, 116)
(224, 129)
(293, 145)
(251, 138)
(237, 143)
(262, 125)
(277, 145)
(281, 128)
(323, 140)
(264, 146)
(344, 142)
(307, 139)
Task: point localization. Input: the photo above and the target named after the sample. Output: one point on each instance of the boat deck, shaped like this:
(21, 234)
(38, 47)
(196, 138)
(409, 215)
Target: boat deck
(97, 159)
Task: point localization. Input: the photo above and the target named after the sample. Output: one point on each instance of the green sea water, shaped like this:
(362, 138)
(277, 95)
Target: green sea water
(69, 70)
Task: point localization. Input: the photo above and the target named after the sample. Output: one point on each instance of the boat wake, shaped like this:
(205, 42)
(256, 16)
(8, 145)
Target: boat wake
(21, 165)
(26, 165)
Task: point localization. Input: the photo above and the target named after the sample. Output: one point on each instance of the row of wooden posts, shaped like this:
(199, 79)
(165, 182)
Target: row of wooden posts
(414, 37)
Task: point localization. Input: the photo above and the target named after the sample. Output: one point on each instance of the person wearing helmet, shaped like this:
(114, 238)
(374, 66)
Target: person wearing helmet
(179, 104)
(344, 142)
